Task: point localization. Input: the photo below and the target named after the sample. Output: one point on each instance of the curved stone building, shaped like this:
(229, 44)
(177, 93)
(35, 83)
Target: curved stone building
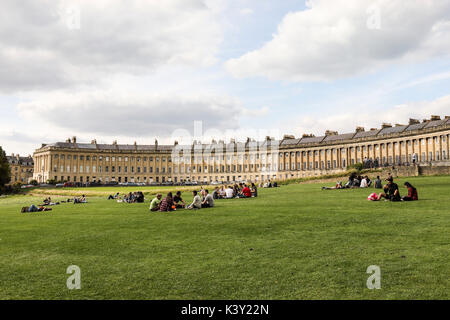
(416, 142)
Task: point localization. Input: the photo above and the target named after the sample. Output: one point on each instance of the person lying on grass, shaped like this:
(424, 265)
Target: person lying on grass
(412, 193)
(197, 202)
(208, 201)
(33, 208)
(156, 202)
(391, 191)
(337, 186)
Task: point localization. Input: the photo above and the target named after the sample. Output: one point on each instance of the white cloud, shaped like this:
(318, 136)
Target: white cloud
(331, 39)
(131, 114)
(40, 48)
(246, 11)
(346, 121)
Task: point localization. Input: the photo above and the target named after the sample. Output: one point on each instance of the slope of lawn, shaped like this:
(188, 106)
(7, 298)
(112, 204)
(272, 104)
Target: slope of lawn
(292, 242)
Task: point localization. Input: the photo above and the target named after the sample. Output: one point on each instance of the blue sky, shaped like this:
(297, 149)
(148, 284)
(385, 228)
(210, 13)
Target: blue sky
(133, 71)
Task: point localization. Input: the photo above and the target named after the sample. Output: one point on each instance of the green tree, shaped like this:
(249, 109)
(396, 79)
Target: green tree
(5, 172)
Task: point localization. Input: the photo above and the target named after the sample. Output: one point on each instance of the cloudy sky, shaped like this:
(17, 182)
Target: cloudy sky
(139, 69)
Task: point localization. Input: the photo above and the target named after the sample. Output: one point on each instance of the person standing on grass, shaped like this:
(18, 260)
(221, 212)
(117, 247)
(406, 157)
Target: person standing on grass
(412, 193)
(197, 202)
(156, 202)
(391, 191)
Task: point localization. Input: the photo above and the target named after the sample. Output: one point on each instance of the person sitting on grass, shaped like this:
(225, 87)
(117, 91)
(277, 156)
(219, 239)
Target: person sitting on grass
(254, 190)
(178, 201)
(167, 203)
(81, 199)
(156, 202)
(391, 191)
(215, 193)
(197, 202)
(412, 193)
(140, 198)
(364, 183)
(369, 182)
(229, 193)
(208, 201)
(378, 183)
(222, 193)
(246, 193)
(236, 190)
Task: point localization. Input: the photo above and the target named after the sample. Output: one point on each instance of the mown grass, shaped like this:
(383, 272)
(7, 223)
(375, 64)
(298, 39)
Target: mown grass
(293, 242)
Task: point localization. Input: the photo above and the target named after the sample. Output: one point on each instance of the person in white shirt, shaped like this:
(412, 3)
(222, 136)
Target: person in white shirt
(229, 192)
(363, 183)
(197, 202)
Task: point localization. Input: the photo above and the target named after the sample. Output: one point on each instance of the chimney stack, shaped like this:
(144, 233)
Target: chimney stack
(413, 121)
(435, 118)
(308, 135)
(373, 129)
(360, 129)
(74, 139)
(386, 125)
(331, 133)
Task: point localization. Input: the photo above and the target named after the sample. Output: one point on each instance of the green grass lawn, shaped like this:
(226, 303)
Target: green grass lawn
(293, 242)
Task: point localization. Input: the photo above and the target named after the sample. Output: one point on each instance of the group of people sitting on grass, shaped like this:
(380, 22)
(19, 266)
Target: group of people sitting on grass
(392, 193)
(240, 190)
(357, 181)
(269, 184)
(132, 197)
(172, 203)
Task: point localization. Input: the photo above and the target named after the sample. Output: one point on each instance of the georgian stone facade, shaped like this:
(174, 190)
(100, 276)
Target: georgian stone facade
(425, 141)
(21, 168)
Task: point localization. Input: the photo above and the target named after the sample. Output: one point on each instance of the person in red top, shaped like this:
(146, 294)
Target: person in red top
(412, 193)
(246, 192)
